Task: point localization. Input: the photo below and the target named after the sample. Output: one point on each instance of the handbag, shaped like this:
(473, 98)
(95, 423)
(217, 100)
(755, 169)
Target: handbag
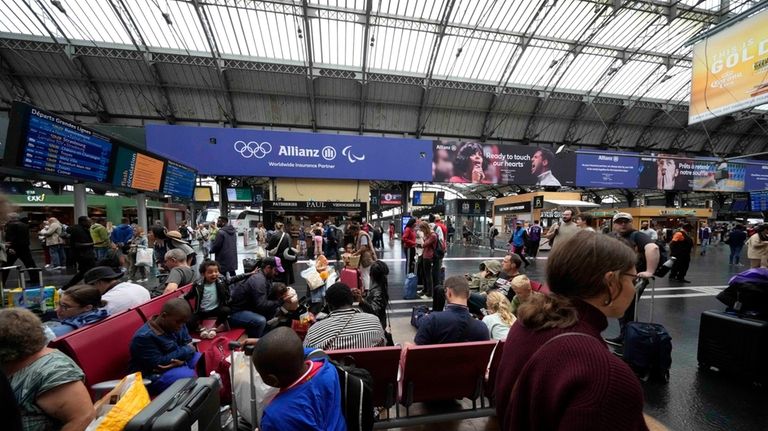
(144, 256)
(273, 251)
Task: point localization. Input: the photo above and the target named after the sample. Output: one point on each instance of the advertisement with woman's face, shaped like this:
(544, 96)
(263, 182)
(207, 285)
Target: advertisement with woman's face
(474, 162)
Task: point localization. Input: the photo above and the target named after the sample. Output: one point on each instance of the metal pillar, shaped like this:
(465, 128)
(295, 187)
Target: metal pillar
(81, 206)
(141, 210)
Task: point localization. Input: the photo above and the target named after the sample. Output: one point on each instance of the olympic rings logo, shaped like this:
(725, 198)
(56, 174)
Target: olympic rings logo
(253, 149)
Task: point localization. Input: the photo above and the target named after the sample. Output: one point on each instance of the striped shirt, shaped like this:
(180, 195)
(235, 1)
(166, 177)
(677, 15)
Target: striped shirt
(346, 329)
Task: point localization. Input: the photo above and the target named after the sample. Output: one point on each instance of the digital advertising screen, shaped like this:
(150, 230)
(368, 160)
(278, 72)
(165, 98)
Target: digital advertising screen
(757, 177)
(670, 172)
(137, 170)
(728, 70)
(606, 170)
(240, 194)
(758, 201)
(423, 198)
(203, 194)
(44, 143)
(179, 180)
(721, 177)
(481, 163)
(389, 197)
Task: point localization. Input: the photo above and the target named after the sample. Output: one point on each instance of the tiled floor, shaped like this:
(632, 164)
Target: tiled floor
(691, 401)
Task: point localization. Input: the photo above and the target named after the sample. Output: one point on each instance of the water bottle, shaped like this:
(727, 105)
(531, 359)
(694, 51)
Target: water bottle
(216, 376)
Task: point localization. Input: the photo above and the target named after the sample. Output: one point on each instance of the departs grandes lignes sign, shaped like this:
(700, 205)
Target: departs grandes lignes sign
(226, 151)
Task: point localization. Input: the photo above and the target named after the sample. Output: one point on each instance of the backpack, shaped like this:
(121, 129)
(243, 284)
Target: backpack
(494, 232)
(356, 391)
(663, 251)
(534, 233)
(439, 246)
(184, 231)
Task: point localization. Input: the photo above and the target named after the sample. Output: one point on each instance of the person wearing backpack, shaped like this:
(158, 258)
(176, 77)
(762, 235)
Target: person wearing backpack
(681, 248)
(492, 234)
(310, 396)
(534, 238)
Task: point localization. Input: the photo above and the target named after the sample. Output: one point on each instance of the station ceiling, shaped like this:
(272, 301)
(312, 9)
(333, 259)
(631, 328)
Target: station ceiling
(591, 73)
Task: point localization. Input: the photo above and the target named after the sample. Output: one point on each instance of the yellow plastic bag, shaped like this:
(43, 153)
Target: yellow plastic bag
(120, 405)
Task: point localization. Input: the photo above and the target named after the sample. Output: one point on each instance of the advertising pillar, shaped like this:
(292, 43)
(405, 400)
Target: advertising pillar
(81, 207)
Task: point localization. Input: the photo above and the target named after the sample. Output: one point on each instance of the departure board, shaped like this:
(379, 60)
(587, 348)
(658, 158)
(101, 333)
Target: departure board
(758, 201)
(179, 180)
(58, 147)
(137, 170)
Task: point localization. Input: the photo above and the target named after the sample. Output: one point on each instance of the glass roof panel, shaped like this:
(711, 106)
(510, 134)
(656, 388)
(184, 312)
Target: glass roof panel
(17, 18)
(630, 78)
(395, 50)
(536, 66)
(570, 21)
(337, 43)
(584, 72)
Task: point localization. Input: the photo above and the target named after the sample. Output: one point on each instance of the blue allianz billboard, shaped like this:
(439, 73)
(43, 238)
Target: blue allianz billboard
(606, 170)
(224, 151)
(756, 177)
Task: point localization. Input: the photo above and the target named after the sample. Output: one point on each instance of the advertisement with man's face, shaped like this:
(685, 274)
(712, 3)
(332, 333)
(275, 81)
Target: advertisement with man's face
(478, 163)
(668, 172)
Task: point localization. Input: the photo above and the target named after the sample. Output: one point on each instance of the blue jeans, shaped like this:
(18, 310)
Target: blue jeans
(253, 323)
(101, 252)
(735, 254)
(58, 257)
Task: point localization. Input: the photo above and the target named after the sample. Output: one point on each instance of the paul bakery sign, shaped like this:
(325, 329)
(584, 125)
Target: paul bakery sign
(226, 151)
(314, 206)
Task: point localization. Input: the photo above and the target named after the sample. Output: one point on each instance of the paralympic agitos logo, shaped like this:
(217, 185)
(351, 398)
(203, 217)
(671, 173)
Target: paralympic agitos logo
(260, 150)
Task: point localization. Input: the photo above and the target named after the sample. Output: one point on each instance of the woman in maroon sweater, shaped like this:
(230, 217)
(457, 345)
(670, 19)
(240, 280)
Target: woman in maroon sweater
(559, 375)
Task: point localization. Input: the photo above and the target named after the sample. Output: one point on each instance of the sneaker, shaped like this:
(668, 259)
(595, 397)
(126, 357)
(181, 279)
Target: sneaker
(143, 280)
(130, 281)
(684, 280)
(616, 341)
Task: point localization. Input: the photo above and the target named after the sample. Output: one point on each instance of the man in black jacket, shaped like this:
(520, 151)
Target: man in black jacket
(225, 247)
(249, 300)
(82, 249)
(17, 247)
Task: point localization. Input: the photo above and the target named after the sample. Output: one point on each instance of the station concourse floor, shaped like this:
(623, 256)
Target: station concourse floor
(692, 400)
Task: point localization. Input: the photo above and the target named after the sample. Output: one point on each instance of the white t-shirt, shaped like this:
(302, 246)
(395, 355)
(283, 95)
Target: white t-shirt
(124, 296)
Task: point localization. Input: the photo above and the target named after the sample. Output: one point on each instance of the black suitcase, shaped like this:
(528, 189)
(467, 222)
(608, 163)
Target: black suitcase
(734, 345)
(188, 404)
(648, 346)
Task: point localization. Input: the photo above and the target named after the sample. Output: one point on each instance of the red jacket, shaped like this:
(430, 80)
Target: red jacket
(573, 383)
(409, 238)
(429, 246)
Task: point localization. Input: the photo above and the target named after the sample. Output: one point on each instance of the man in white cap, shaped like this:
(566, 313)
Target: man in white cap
(647, 262)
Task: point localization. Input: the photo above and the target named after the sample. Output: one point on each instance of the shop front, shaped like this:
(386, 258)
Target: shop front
(306, 213)
(658, 217)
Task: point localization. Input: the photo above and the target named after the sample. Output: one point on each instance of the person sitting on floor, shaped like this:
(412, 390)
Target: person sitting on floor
(119, 296)
(79, 306)
(455, 324)
(345, 327)
(310, 394)
(162, 348)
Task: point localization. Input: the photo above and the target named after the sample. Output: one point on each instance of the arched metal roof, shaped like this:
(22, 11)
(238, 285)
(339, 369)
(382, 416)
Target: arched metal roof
(605, 73)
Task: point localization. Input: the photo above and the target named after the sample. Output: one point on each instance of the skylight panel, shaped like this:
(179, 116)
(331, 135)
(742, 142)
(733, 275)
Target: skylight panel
(536, 66)
(584, 72)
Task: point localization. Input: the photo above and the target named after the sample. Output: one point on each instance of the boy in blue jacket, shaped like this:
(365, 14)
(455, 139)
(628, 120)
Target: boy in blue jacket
(309, 397)
(162, 348)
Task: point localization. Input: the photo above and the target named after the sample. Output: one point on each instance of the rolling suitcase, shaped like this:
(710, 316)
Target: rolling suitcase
(648, 346)
(351, 277)
(188, 404)
(734, 345)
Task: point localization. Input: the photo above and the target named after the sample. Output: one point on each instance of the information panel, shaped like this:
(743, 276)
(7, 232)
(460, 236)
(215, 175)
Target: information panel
(137, 170)
(757, 177)
(758, 201)
(423, 198)
(179, 180)
(606, 170)
(239, 194)
(51, 145)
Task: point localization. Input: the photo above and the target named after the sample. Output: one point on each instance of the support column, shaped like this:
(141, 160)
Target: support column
(223, 201)
(81, 205)
(141, 210)
(406, 196)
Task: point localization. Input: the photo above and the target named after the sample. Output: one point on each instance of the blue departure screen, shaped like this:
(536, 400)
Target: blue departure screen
(179, 180)
(57, 147)
(758, 201)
